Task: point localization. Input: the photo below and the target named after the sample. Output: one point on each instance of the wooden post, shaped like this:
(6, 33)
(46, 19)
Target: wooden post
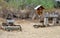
(54, 21)
(45, 21)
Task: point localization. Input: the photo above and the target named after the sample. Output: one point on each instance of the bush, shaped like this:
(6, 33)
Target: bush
(48, 4)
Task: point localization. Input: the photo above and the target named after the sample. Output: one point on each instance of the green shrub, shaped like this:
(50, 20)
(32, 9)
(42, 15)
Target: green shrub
(48, 4)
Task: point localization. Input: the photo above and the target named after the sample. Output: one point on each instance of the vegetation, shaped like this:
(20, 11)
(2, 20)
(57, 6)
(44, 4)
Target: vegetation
(15, 7)
(3, 4)
(21, 3)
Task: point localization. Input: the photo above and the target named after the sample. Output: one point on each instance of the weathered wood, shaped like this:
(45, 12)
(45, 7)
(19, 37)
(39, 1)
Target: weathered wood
(51, 15)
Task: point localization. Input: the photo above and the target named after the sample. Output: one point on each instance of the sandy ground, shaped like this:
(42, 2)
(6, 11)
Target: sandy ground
(28, 31)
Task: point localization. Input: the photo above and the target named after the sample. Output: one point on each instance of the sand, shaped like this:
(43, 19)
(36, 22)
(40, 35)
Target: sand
(28, 31)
